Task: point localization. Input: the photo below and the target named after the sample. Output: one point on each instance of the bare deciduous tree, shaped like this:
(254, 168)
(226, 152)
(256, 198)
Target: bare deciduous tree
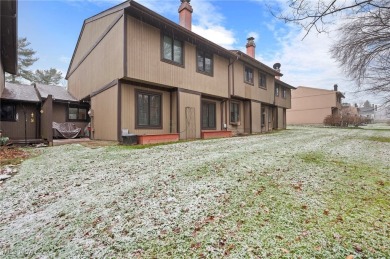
(363, 47)
(363, 51)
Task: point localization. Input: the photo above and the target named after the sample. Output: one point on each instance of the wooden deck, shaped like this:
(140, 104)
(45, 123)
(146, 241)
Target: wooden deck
(26, 141)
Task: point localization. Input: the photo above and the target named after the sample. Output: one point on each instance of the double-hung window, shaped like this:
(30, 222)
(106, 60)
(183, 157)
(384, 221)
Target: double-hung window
(148, 110)
(284, 93)
(8, 112)
(172, 50)
(248, 75)
(76, 113)
(262, 80)
(276, 90)
(208, 115)
(234, 112)
(204, 62)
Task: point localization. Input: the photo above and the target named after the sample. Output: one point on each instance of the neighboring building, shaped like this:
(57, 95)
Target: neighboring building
(349, 110)
(27, 111)
(20, 106)
(382, 113)
(145, 73)
(374, 112)
(8, 40)
(311, 105)
(367, 112)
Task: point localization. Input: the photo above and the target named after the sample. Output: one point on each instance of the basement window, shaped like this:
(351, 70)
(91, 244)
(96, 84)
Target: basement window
(8, 112)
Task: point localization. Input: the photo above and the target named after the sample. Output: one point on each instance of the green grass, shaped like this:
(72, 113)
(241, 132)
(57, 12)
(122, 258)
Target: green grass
(303, 193)
(313, 157)
(380, 139)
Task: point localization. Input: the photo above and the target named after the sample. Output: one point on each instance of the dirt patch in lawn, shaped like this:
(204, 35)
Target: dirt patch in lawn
(12, 156)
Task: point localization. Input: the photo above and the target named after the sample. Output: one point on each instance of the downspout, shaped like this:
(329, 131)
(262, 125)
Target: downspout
(222, 113)
(230, 85)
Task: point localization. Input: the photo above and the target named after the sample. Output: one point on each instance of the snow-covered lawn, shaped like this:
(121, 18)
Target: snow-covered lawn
(309, 192)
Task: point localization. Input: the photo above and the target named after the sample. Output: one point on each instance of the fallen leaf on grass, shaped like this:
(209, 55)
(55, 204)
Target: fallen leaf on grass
(284, 250)
(349, 257)
(357, 247)
(196, 246)
(381, 183)
(305, 233)
(297, 186)
(326, 212)
(259, 191)
(336, 236)
(96, 221)
(339, 218)
(228, 249)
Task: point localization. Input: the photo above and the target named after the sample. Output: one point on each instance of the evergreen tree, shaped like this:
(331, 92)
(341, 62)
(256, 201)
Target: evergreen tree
(48, 77)
(25, 60)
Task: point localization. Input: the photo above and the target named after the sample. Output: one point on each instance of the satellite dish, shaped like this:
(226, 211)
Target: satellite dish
(277, 66)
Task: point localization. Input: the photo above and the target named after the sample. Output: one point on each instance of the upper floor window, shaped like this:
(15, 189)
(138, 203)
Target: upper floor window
(284, 92)
(148, 110)
(172, 50)
(262, 80)
(204, 62)
(8, 112)
(234, 112)
(276, 90)
(248, 75)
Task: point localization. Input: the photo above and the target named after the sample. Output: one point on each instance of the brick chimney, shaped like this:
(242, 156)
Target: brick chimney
(335, 87)
(250, 47)
(185, 14)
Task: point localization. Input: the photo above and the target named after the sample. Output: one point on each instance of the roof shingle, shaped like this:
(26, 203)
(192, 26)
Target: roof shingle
(58, 92)
(20, 92)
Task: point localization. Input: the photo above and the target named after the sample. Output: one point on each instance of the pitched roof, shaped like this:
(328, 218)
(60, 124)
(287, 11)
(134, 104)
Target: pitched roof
(59, 93)
(148, 16)
(278, 81)
(20, 92)
(256, 63)
(325, 90)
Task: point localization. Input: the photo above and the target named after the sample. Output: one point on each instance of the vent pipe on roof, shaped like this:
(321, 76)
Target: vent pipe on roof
(185, 14)
(250, 47)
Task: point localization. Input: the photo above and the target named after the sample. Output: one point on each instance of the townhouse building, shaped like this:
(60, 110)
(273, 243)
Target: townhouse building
(311, 105)
(142, 72)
